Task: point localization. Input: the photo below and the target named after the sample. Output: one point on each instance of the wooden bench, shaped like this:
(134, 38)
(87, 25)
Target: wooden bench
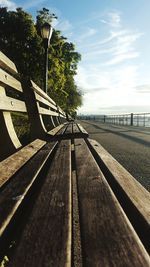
(64, 201)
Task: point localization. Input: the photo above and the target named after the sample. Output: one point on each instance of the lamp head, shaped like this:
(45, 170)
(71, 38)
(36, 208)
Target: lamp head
(46, 31)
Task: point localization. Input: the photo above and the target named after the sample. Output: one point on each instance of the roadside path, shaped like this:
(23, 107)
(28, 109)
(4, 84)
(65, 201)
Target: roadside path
(129, 145)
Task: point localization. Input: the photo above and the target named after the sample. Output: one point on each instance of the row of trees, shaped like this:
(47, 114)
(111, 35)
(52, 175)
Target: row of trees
(21, 41)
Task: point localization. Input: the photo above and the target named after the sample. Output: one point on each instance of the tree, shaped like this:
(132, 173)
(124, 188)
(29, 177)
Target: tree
(21, 42)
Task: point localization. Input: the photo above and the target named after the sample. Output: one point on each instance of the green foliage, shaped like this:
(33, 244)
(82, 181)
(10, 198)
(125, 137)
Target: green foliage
(21, 41)
(22, 127)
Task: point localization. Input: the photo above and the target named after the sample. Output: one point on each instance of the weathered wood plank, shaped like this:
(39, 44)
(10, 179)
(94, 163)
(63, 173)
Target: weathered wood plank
(68, 129)
(62, 130)
(132, 195)
(16, 190)
(12, 164)
(12, 104)
(39, 91)
(56, 130)
(7, 64)
(75, 129)
(45, 111)
(46, 239)
(62, 115)
(82, 129)
(45, 101)
(6, 79)
(79, 132)
(108, 239)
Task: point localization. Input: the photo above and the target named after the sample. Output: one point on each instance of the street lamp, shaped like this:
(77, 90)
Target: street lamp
(46, 33)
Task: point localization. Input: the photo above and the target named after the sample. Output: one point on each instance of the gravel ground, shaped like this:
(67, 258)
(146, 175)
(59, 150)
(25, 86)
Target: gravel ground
(129, 145)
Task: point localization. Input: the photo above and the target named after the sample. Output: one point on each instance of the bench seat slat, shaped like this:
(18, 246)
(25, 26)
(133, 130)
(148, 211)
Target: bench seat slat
(46, 238)
(61, 132)
(15, 191)
(56, 130)
(133, 196)
(75, 128)
(135, 191)
(82, 129)
(12, 164)
(68, 129)
(7, 79)
(108, 239)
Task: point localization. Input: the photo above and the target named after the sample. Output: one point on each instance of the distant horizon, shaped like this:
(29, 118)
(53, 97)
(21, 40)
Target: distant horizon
(116, 110)
(111, 114)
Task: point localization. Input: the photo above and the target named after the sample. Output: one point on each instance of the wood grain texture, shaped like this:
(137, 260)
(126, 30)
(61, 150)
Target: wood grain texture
(108, 239)
(12, 164)
(136, 192)
(46, 238)
(16, 190)
(12, 104)
(75, 128)
(56, 130)
(134, 197)
(7, 79)
(44, 111)
(39, 91)
(7, 64)
(45, 101)
(82, 129)
(62, 130)
(69, 129)
(80, 133)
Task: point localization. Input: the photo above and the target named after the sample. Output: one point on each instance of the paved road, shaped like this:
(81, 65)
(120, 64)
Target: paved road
(129, 145)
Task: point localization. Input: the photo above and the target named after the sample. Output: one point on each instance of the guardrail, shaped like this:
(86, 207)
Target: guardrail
(131, 119)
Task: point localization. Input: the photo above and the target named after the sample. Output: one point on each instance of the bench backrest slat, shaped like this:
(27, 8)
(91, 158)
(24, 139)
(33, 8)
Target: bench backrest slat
(44, 111)
(39, 91)
(7, 79)
(7, 64)
(12, 104)
(45, 101)
(26, 97)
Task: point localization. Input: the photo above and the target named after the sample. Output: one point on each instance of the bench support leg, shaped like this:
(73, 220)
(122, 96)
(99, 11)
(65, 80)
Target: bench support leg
(9, 141)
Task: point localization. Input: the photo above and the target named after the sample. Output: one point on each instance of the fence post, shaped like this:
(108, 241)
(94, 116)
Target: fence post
(131, 119)
(104, 118)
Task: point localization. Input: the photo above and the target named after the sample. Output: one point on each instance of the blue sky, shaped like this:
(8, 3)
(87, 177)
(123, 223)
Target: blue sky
(113, 37)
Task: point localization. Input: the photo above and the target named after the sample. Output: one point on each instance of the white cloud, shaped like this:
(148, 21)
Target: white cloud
(124, 47)
(115, 19)
(63, 25)
(9, 4)
(121, 58)
(92, 77)
(144, 89)
(106, 88)
(112, 19)
(89, 32)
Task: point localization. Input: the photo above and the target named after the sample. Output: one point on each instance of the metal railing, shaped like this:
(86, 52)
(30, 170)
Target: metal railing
(131, 119)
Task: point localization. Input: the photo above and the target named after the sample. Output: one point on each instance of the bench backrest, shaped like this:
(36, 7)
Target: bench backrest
(23, 96)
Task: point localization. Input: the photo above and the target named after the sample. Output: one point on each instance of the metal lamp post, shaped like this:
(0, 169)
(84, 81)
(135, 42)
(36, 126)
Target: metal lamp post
(46, 33)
